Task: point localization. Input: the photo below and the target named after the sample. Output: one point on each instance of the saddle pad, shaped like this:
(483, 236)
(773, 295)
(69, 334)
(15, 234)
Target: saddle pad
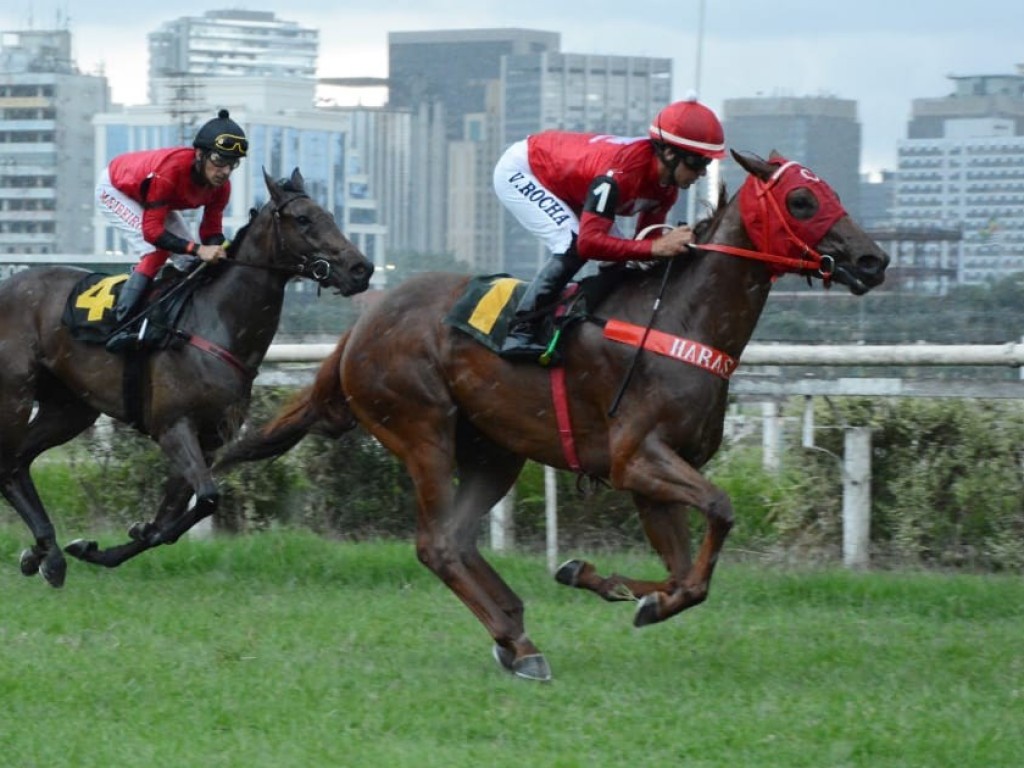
(88, 312)
(485, 309)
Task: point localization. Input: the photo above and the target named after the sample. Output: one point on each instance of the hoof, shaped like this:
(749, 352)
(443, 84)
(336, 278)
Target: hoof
(29, 562)
(54, 568)
(646, 611)
(568, 573)
(532, 667)
(80, 548)
(503, 656)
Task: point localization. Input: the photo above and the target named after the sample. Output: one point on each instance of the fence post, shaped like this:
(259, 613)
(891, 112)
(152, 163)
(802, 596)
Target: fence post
(856, 496)
(551, 517)
(502, 528)
(770, 435)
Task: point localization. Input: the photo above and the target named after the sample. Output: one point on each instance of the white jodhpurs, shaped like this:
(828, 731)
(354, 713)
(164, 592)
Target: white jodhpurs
(549, 218)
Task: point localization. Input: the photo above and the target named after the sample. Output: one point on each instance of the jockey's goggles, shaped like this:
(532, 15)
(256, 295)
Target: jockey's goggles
(227, 142)
(219, 161)
(695, 162)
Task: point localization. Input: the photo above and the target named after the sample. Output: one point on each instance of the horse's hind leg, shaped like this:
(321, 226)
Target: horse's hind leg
(446, 530)
(486, 472)
(55, 422)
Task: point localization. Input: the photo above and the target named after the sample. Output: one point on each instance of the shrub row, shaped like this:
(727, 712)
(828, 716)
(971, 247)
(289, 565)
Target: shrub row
(947, 487)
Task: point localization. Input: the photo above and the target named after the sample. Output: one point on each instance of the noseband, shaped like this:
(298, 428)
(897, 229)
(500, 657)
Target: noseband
(317, 269)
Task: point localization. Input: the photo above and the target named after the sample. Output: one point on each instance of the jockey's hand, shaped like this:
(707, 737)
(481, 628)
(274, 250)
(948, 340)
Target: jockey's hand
(672, 243)
(210, 252)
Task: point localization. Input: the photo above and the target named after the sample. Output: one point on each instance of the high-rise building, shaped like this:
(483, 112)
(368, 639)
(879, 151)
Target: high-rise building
(821, 132)
(46, 144)
(962, 167)
(453, 67)
(445, 78)
(231, 43)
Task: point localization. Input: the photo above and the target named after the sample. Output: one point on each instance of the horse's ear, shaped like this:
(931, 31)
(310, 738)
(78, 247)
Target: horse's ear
(753, 164)
(272, 187)
(298, 183)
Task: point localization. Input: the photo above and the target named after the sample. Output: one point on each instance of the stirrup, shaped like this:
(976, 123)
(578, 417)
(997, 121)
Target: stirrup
(128, 339)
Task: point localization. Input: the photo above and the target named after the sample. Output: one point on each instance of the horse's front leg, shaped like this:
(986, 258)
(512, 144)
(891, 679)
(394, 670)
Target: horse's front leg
(142, 536)
(663, 485)
(667, 527)
(658, 474)
(175, 515)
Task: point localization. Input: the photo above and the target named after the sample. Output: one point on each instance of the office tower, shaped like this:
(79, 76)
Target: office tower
(821, 132)
(962, 167)
(46, 144)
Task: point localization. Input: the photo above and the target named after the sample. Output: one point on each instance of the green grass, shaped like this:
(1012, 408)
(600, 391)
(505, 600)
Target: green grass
(284, 650)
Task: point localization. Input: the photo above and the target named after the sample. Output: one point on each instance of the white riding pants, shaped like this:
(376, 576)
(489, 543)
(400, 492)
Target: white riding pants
(535, 207)
(126, 215)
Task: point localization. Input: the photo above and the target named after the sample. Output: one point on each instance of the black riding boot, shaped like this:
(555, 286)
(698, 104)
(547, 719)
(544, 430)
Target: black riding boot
(131, 294)
(521, 341)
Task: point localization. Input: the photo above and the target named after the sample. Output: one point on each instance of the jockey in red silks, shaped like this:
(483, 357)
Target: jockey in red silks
(142, 194)
(567, 188)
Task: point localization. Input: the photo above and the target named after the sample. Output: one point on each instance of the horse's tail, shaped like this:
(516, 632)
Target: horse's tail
(320, 409)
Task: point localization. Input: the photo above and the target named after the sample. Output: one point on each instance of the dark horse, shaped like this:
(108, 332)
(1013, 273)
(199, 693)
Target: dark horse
(194, 394)
(463, 420)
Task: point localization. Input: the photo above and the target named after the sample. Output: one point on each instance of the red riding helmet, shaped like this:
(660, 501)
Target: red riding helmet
(690, 126)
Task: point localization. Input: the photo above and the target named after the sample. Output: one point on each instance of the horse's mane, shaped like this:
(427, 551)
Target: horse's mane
(285, 185)
(703, 228)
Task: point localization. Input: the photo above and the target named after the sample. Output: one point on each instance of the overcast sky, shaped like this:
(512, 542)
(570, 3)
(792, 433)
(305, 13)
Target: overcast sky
(880, 53)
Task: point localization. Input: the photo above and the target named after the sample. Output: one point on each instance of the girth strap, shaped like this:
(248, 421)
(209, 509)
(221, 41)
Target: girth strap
(560, 398)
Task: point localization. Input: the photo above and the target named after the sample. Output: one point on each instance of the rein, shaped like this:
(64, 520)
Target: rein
(650, 323)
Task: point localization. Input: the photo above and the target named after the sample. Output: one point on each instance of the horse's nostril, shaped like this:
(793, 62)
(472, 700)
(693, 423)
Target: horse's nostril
(872, 264)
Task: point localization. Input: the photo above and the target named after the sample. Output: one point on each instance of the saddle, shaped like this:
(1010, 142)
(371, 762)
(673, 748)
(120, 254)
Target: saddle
(89, 310)
(486, 309)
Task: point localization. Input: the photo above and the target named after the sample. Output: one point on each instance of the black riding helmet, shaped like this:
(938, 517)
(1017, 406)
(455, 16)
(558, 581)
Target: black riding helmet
(223, 136)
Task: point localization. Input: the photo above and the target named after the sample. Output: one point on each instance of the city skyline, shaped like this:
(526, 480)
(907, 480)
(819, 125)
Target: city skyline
(881, 55)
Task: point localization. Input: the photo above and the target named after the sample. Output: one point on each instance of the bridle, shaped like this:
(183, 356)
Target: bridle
(317, 269)
(804, 258)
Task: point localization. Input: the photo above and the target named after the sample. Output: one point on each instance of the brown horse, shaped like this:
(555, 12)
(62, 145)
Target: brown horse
(195, 394)
(463, 420)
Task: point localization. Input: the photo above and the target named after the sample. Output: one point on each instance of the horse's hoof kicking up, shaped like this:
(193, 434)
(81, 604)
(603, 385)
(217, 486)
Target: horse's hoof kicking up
(532, 667)
(568, 573)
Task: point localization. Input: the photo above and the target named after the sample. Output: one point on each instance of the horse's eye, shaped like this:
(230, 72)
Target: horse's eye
(802, 203)
(304, 221)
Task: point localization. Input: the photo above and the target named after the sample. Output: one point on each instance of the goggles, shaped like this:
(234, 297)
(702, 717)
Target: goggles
(695, 162)
(226, 142)
(219, 161)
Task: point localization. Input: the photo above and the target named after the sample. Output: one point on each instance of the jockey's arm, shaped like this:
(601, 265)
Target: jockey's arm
(595, 240)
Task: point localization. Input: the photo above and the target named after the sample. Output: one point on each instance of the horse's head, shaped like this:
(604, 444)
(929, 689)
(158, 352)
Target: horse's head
(789, 211)
(309, 242)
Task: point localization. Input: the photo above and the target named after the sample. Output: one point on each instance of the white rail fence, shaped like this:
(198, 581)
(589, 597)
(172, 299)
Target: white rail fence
(855, 464)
